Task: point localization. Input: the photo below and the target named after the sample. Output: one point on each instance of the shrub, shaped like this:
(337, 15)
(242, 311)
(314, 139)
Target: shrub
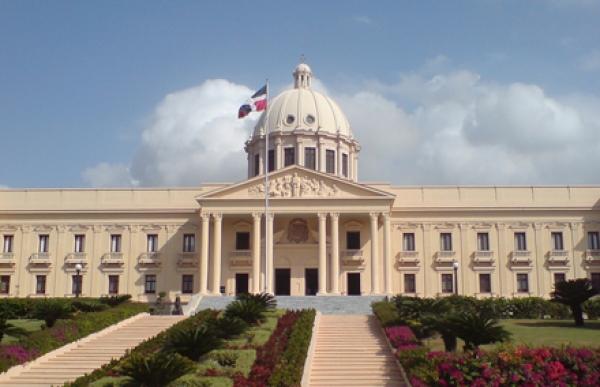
(265, 299)
(115, 300)
(386, 313)
(13, 308)
(89, 306)
(228, 326)
(51, 310)
(592, 308)
(7, 328)
(250, 310)
(193, 343)
(156, 370)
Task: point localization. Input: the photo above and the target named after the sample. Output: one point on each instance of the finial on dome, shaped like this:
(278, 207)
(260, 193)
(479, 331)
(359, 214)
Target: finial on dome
(302, 75)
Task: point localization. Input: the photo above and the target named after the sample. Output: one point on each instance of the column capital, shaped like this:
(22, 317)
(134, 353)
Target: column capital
(386, 215)
(538, 225)
(25, 228)
(500, 226)
(463, 226)
(334, 216)
(217, 216)
(575, 225)
(426, 226)
(271, 216)
(133, 228)
(97, 228)
(322, 215)
(205, 216)
(61, 228)
(374, 215)
(257, 215)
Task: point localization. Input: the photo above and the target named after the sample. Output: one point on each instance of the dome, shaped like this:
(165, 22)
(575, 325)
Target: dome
(304, 109)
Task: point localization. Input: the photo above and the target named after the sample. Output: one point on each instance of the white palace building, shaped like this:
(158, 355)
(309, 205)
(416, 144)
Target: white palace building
(328, 233)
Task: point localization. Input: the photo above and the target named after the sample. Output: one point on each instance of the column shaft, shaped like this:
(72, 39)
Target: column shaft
(216, 258)
(256, 253)
(375, 254)
(204, 254)
(322, 254)
(335, 254)
(388, 264)
(270, 270)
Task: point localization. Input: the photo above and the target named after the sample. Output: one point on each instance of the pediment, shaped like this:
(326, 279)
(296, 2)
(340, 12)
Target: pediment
(296, 182)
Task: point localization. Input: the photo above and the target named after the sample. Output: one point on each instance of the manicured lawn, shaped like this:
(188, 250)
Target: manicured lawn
(551, 333)
(27, 324)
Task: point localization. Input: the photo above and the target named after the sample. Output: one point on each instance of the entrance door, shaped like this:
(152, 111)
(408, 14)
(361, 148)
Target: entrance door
(354, 284)
(241, 283)
(311, 278)
(282, 282)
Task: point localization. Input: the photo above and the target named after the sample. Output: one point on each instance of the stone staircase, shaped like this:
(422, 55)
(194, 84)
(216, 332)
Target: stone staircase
(352, 351)
(74, 360)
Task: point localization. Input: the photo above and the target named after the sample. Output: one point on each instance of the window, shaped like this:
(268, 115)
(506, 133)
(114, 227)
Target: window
(40, 284)
(408, 241)
(410, 285)
(557, 240)
(485, 283)
(330, 161)
(115, 243)
(256, 164)
(44, 241)
(596, 281)
(4, 284)
(189, 243)
(523, 283)
(560, 277)
(446, 241)
(289, 156)
(8, 244)
(520, 241)
(483, 241)
(310, 158)
(77, 279)
(150, 287)
(113, 284)
(187, 284)
(345, 165)
(242, 241)
(271, 158)
(79, 243)
(353, 240)
(152, 243)
(447, 283)
(593, 242)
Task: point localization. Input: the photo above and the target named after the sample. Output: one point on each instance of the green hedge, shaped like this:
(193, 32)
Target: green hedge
(293, 358)
(15, 308)
(386, 313)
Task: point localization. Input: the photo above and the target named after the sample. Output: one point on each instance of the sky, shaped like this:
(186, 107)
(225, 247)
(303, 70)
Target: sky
(449, 92)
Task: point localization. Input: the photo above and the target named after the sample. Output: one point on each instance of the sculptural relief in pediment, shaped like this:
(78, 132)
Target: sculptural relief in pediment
(295, 186)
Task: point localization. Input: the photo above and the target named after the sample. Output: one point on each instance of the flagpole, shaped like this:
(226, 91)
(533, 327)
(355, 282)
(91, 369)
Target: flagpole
(267, 239)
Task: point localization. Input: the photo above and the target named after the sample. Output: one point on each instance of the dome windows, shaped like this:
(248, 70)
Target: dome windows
(310, 119)
(289, 119)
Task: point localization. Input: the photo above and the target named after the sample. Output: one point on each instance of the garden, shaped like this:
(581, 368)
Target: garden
(464, 341)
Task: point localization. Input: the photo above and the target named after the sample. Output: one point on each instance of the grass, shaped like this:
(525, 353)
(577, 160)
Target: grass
(29, 325)
(550, 333)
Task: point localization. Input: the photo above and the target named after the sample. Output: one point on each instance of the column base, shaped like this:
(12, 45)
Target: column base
(334, 294)
(377, 294)
(322, 294)
(215, 294)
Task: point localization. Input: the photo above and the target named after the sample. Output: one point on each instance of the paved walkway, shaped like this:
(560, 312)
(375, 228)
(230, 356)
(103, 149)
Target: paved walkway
(72, 361)
(352, 351)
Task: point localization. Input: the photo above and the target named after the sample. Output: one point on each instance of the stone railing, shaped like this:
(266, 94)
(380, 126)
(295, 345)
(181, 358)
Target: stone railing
(75, 258)
(521, 256)
(113, 259)
(40, 259)
(189, 259)
(149, 258)
(483, 257)
(405, 257)
(240, 258)
(445, 256)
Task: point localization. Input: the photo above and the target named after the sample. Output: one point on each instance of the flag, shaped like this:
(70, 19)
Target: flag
(256, 103)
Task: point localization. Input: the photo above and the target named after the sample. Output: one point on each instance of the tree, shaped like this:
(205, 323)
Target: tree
(157, 370)
(476, 329)
(51, 310)
(573, 293)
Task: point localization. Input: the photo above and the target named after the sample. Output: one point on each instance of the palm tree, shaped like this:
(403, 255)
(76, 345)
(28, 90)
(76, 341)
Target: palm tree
(51, 310)
(573, 293)
(193, 343)
(251, 310)
(475, 329)
(157, 370)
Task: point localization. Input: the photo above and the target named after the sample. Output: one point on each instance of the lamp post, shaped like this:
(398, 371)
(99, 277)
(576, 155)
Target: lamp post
(78, 268)
(455, 266)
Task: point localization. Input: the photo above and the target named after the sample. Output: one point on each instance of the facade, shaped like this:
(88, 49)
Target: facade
(327, 233)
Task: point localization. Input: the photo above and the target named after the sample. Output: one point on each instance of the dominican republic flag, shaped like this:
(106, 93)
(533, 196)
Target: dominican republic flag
(256, 103)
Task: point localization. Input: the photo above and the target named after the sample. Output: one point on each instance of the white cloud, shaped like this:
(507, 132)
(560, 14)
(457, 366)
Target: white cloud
(108, 175)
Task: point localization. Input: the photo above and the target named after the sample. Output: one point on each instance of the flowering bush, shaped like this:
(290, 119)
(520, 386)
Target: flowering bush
(11, 355)
(400, 336)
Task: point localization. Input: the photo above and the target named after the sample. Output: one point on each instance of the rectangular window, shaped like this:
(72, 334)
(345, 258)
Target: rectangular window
(271, 160)
(310, 158)
(187, 284)
(447, 283)
(79, 243)
(189, 243)
(8, 244)
(483, 241)
(289, 156)
(115, 243)
(485, 283)
(150, 286)
(4, 284)
(353, 240)
(40, 284)
(593, 242)
(596, 281)
(256, 164)
(77, 279)
(446, 241)
(330, 161)
(523, 283)
(44, 241)
(408, 241)
(520, 241)
(560, 277)
(242, 241)
(557, 241)
(113, 284)
(152, 243)
(345, 165)
(410, 285)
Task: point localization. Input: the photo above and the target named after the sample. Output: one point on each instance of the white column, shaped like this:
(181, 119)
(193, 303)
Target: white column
(322, 254)
(204, 254)
(575, 229)
(300, 150)
(338, 156)
(388, 264)
(256, 253)
(270, 273)
(375, 253)
(216, 258)
(321, 156)
(278, 154)
(335, 254)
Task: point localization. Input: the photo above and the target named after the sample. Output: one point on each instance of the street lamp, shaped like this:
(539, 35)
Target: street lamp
(78, 268)
(455, 266)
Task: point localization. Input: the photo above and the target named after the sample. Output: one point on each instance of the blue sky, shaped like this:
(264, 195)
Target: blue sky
(139, 93)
